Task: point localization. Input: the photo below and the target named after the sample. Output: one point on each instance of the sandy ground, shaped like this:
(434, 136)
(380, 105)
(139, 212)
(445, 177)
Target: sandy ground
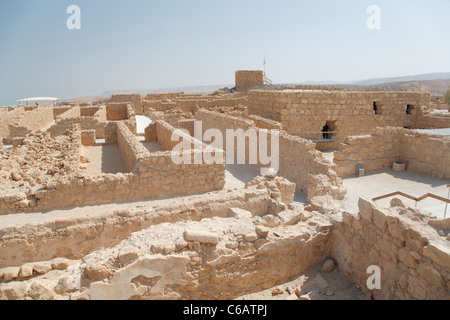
(387, 181)
(313, 285)
(238, 175)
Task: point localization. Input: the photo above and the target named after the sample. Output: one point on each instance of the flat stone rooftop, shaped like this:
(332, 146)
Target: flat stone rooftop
(380, 183)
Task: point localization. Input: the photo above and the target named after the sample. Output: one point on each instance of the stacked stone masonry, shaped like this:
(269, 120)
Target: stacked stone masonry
(423, 153)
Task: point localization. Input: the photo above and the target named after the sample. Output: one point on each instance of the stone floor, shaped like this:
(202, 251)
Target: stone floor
(387, 181)
(238, 175)
(103, 159)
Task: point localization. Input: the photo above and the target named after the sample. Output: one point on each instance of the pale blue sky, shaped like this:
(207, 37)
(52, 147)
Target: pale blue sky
(137, 44)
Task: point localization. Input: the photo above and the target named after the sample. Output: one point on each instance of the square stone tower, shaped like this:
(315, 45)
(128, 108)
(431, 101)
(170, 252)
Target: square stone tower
(248, 79)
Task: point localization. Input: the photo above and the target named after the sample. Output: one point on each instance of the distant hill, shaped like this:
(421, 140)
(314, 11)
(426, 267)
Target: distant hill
(419, 77)
(435, 83)
(435, 87)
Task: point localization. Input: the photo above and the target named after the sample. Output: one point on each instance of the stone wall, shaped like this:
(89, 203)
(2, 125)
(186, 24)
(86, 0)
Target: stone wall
(193, 103)
(72, 112)
(89, 111)
(153, 175)
(20, 121)
(54, 238)
(423, 153)
(133, 98)
(116, 111)
(248, 79)
(264, 123)
(413, 258)
(104, 129)
(298, 157)
(213, 249)
(306, 112)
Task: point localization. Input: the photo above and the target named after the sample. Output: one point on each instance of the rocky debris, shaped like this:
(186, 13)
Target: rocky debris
(281, 189)
(261, 231)
(39, 159)
(396, 202)
(60, 264)
(97, 272)
(325, 186)
(127, 255)
(33, 269)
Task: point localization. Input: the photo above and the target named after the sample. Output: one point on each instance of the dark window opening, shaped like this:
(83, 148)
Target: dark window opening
(329, 130)
(409, 109)
(376, 108)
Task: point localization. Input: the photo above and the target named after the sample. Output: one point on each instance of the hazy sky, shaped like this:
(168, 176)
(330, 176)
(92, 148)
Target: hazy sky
(140, 44)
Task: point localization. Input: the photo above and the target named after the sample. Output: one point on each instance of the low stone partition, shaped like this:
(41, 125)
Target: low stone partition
(74, 237)
(412, 255)
(423, 153)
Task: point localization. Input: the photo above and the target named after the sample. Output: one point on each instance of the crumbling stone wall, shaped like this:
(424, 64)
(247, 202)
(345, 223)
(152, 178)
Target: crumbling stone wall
(305, 112)
(20, 121)
(424, 153)
(413, 257)
(248, 79)
(236, 252)
(54, 238)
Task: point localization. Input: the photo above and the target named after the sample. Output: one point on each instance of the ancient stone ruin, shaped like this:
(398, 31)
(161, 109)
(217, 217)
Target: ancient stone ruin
(93, 206)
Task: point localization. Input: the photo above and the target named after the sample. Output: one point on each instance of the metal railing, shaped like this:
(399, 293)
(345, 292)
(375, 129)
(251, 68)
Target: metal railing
(418, 199)
(318, 136)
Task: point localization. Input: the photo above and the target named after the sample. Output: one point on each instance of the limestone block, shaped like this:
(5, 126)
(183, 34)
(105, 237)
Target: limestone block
(430, 275)
(239, 213)
(405, 257)
(289, 217)
(25, 272)
(328, 265)
(127, 255)
(42, 268)
(97, 272)
(202, 237)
